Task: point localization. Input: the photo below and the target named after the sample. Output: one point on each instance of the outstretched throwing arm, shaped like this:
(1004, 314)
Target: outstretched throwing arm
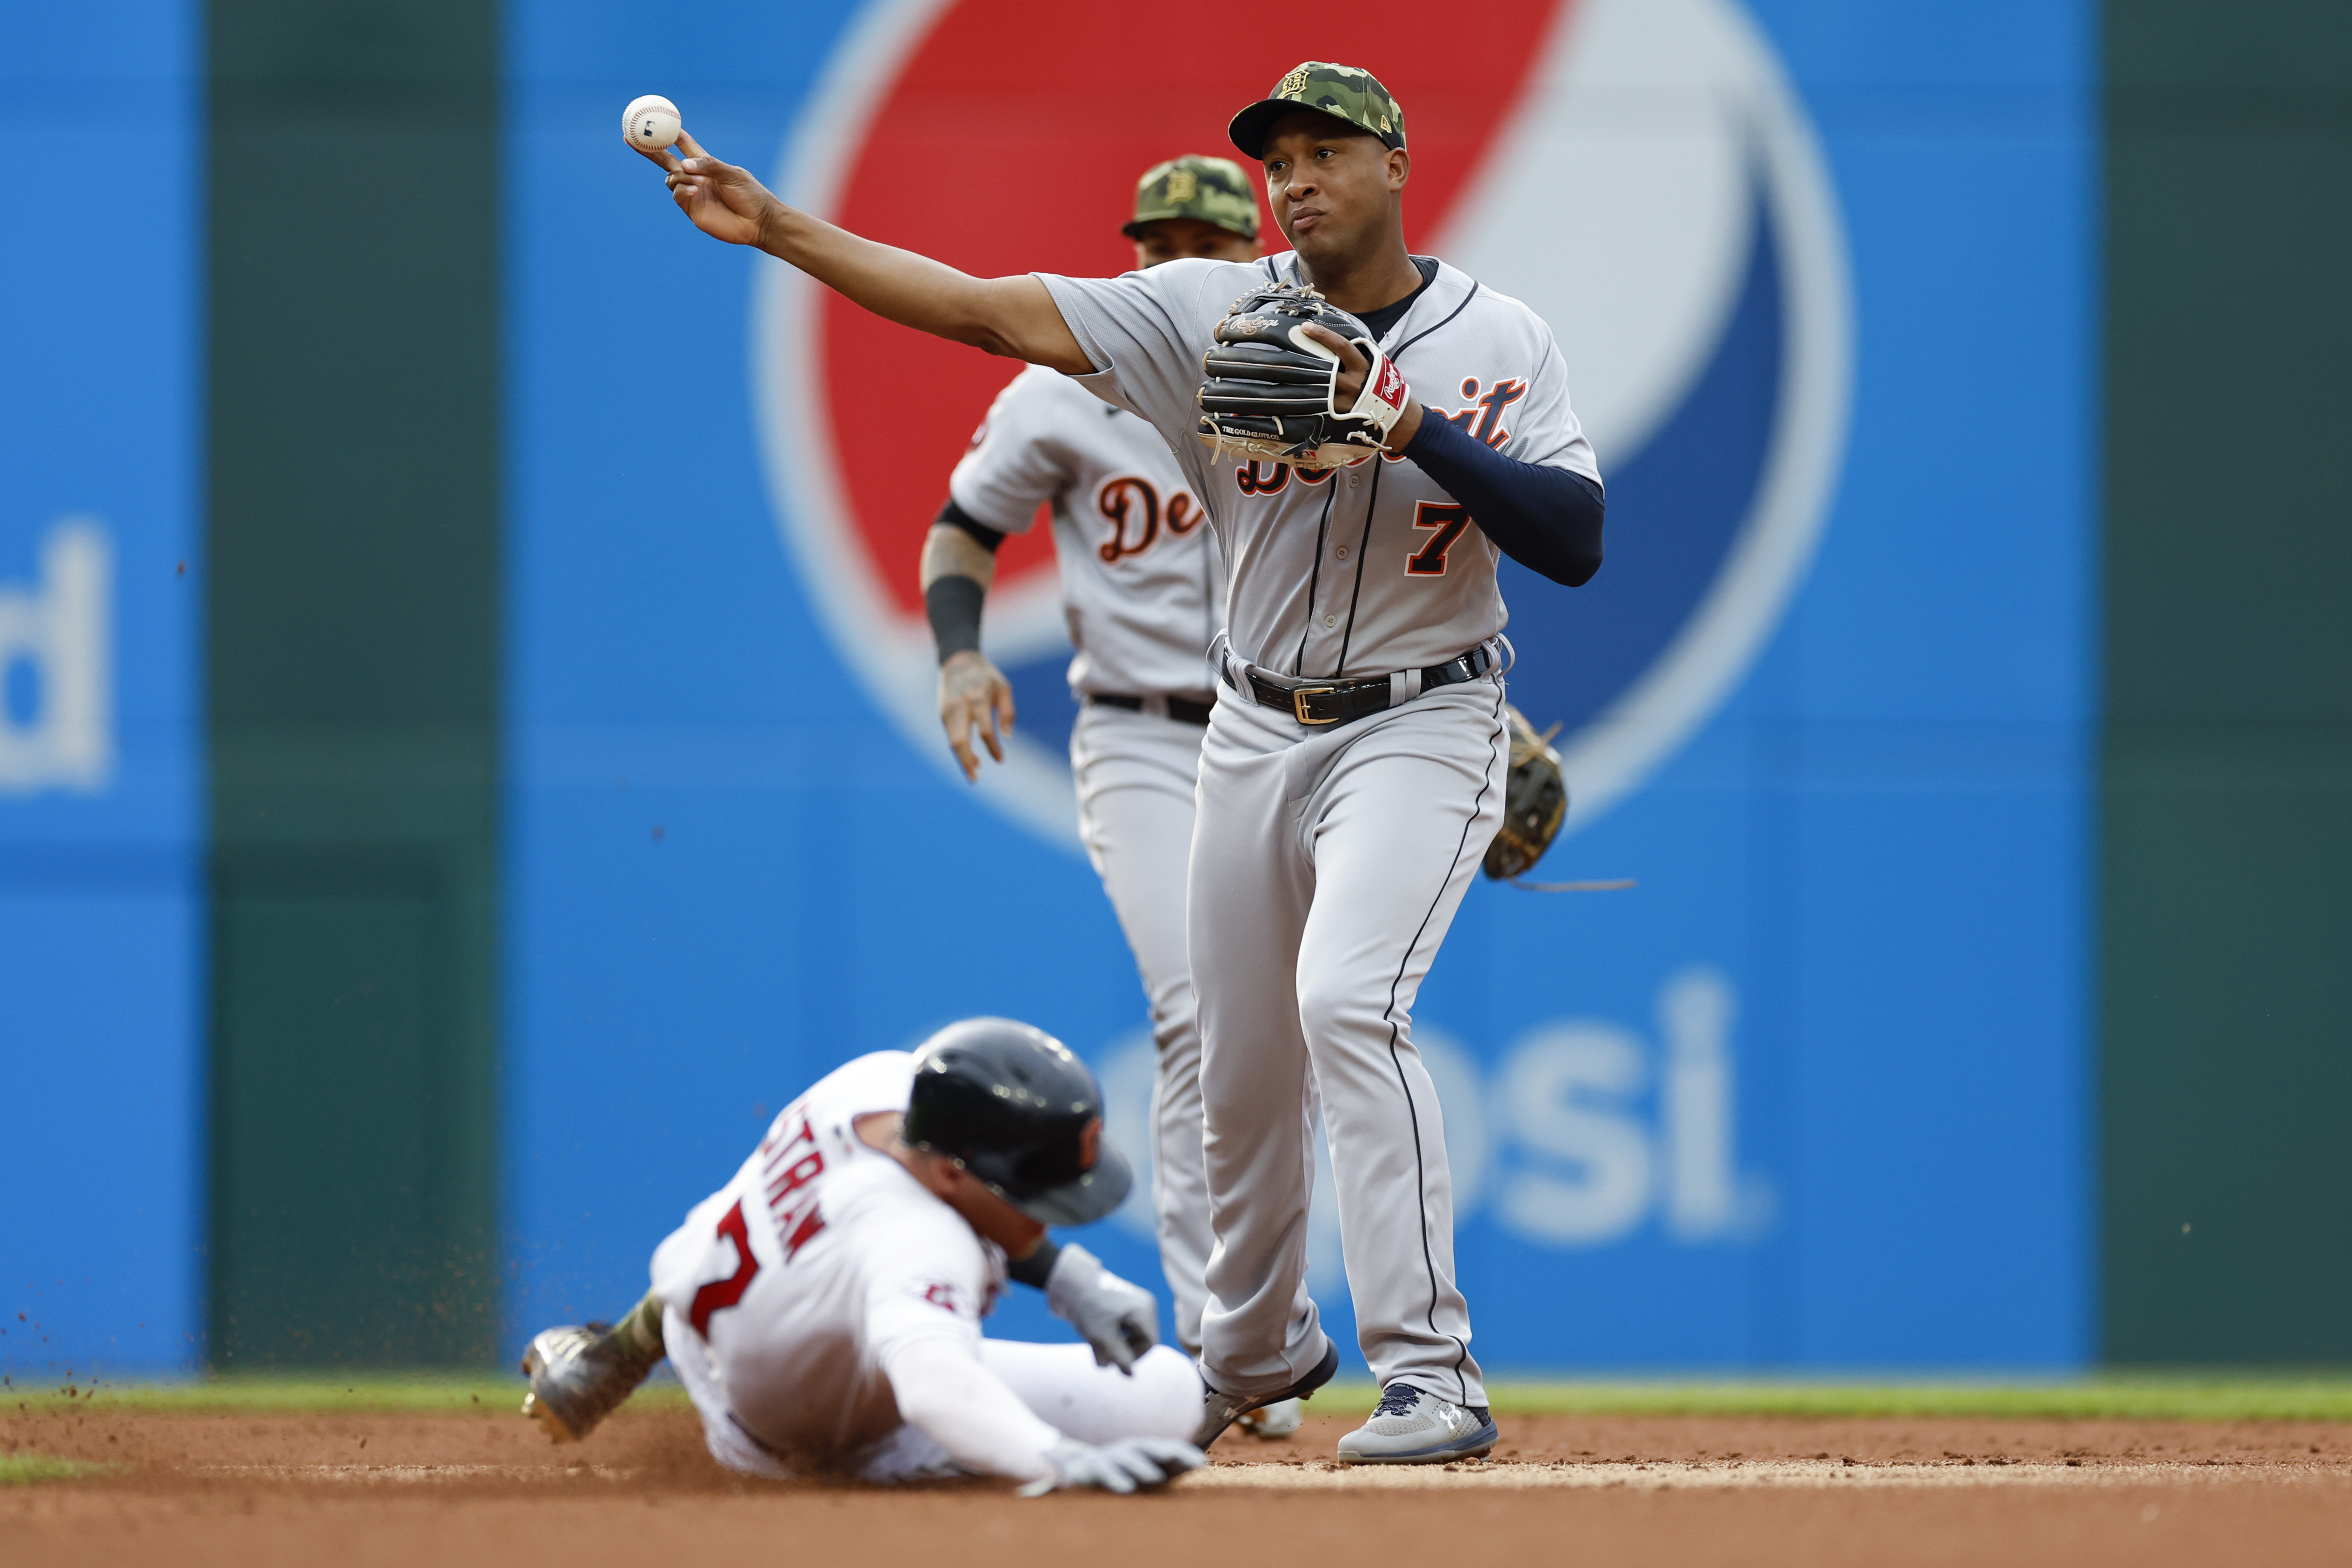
(1010, 316)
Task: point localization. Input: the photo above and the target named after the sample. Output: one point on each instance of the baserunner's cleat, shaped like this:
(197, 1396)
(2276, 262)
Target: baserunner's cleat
(1413, 1427)
(1273, 1422)
(579, 1376)
(1219, 1411)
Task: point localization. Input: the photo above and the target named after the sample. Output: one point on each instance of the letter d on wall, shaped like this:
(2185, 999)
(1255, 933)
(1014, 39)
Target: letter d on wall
(61, 631)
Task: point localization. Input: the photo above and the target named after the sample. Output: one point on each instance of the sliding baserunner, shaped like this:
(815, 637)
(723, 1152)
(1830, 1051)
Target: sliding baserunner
(823, 1309)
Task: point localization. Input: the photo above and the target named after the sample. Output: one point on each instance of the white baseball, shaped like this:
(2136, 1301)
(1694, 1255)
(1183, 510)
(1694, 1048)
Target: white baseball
(650, 121)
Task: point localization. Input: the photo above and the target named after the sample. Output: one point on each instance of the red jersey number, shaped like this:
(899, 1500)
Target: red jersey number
(721, 1294)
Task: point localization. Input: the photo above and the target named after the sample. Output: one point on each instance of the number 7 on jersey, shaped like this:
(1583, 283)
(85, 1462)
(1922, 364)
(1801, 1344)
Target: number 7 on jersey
(1449, 520)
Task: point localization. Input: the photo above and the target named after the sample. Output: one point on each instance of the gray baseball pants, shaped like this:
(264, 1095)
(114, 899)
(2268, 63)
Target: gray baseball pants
(1136, 773)
(1326, 865)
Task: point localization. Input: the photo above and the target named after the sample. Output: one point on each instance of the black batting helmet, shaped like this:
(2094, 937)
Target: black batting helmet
(1014, 1106)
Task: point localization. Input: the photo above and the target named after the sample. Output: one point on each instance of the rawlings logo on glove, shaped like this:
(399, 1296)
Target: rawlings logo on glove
(1273, 391)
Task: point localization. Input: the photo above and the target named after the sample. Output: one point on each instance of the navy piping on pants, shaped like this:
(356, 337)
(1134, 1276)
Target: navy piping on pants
(1420, 1171)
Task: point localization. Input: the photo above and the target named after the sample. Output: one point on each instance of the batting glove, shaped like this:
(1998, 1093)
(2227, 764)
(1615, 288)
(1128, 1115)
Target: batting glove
(1118, 1320)
(1124, 1465)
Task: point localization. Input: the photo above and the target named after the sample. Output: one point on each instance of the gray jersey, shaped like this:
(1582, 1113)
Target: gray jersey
(1142, 582)
(1358, 571)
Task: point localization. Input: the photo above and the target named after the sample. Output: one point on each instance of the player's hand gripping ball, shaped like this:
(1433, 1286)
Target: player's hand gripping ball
(1535, 802)
(650, 123)
(1272, 389)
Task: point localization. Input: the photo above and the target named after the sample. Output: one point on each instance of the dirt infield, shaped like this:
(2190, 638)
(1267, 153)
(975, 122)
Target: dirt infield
(253, 1490)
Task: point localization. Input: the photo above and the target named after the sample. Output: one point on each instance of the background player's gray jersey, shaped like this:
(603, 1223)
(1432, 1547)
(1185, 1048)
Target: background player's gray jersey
(1358, 571)
(1142, 580)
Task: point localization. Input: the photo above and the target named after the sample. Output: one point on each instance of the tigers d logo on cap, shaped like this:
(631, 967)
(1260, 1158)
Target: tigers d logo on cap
(1213, 190)
(1343, 92)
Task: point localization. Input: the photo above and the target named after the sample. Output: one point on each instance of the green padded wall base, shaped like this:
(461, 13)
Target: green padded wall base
(2226, 890)
(353, 682)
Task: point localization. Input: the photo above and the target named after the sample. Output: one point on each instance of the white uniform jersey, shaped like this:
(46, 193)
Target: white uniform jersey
(819, 1260)
(1142, 580)
(1359, 571)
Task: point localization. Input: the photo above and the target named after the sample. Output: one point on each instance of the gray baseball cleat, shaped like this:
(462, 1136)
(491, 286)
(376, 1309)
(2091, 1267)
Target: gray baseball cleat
(1413, 1427)
(578, 1376)
(1219, 1411)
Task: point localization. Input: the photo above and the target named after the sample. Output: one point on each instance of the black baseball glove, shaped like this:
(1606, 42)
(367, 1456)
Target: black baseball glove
(1535, 802)
(1273, 392)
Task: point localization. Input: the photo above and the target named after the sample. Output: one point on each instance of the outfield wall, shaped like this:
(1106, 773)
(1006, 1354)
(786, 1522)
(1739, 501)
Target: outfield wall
(2227, 770)
(410, 908)
(102, 596)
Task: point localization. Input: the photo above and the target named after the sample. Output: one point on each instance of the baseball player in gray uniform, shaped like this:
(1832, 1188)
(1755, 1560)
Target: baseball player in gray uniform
(1352, 775)
(1143, 593)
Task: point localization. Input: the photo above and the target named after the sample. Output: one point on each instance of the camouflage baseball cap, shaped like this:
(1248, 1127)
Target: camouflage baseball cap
(1213, 190)
(1342, 92)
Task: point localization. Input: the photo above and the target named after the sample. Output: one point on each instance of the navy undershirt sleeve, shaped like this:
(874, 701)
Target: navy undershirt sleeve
(1548, 519)
(1037, 1267)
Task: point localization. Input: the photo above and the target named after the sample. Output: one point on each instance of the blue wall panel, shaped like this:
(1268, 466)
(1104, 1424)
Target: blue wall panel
(735, 857)
(100, 809)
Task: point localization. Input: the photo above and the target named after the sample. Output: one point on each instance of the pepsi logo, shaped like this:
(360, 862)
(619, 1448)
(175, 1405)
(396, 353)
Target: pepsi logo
(1639, 172)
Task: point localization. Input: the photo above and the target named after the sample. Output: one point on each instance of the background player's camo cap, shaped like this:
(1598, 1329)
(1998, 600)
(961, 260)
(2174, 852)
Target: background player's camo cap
(1342, 91)
(1213, 190)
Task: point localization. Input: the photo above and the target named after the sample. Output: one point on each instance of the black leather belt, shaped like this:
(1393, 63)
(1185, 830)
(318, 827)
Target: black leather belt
(1317, 703)
(1184, 709)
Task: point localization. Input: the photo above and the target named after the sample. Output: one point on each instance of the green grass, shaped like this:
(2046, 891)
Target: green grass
(2170, 1396)
(23, 1469)
(303, 1393)
(262, 1393)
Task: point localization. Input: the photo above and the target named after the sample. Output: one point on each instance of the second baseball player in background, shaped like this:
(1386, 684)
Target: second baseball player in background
(1143, 589)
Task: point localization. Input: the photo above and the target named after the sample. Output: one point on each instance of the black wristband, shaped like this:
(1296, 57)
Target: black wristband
(1037, 1267)
(953, 603)
(955, 516)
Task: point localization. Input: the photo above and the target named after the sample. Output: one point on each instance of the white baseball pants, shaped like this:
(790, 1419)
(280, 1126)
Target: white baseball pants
(1326, 865)
(1136, 773)
(1060, 1383)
